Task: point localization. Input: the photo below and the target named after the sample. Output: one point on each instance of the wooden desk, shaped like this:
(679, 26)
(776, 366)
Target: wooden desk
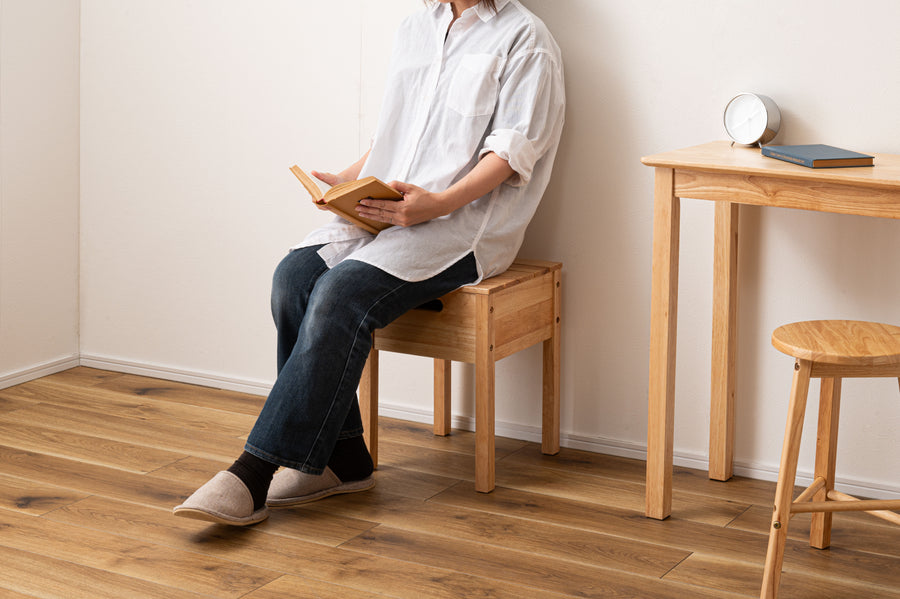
(729, 176)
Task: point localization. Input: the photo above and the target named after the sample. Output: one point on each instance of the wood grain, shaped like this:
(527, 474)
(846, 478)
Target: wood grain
(27, 574)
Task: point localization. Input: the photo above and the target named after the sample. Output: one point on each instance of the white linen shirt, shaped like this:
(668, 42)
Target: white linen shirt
(492, 83)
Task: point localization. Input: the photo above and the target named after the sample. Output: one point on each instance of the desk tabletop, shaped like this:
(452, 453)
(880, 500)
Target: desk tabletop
(722, 157)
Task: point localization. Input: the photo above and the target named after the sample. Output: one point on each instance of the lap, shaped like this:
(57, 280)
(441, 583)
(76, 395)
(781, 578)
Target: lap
(360, 287)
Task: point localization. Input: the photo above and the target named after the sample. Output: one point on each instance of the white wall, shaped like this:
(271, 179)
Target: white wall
(38, 187)
(192, 112)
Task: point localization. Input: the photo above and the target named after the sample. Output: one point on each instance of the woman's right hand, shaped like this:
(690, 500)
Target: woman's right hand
(330, 179)
(348, 174)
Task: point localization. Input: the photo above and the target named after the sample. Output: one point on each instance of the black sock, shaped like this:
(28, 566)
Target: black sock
(350, 460)
(257, 474)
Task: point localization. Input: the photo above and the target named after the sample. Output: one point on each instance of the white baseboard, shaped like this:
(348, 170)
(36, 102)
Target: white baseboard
(35, 372)
(603, 445)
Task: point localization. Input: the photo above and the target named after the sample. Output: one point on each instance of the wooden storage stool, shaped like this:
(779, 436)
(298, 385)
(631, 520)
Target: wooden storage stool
(478, 324)
(830, 350)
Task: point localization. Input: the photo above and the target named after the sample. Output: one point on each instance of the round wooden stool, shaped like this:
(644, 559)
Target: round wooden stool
(830, 350)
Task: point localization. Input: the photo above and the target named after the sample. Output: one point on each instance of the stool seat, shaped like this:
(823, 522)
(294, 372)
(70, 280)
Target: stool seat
(847, 342)
(830, 350)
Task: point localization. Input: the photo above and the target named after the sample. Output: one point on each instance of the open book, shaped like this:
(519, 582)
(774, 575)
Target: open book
(343, 198)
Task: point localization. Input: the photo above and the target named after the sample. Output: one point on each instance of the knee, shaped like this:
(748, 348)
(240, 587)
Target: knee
(293, 280)
(281, 284)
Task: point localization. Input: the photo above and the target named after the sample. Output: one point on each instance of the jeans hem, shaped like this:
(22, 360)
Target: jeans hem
(264, 455)
(350, 434)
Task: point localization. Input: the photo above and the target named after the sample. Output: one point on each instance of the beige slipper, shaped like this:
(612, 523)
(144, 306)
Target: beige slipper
(225, 499)
(292, 487)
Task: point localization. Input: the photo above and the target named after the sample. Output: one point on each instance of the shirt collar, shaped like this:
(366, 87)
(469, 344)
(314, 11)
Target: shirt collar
(483, 12)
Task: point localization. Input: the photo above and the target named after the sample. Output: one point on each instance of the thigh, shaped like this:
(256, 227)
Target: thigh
(374, 298)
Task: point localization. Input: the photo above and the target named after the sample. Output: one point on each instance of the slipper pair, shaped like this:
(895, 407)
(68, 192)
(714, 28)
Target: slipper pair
(225, 499)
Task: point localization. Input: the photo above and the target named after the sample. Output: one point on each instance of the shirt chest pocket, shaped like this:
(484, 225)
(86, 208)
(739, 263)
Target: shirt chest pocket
(475, 85)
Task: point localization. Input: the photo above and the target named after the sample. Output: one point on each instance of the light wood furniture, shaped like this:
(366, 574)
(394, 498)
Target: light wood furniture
(830, 350)
(478, 324)
(729, 176)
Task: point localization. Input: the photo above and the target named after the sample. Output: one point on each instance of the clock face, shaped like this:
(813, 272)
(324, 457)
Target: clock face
(746, 119)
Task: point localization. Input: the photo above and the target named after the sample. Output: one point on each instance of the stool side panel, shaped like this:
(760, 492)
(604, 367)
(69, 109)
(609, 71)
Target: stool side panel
(428, 349)
(522, 296)
(522, 342)
(428, 335)
(529, 326)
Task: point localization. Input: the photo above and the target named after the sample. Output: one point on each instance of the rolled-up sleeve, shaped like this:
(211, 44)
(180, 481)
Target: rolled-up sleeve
(530, 112)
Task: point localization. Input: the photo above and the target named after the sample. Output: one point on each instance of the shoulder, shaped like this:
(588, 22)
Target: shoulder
(528, 31)
(416, 32)
(422, 19)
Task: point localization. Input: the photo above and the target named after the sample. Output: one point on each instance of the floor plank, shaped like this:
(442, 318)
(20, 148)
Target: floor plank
(174, 392)
(538, 539)
(547, 574)
(33, 498)
(92, 479)
(746, 579)
(166, 566)
(83, 376)
(87, 448)
(150, 411)
(165, 436)
(293, 586)
(26, 574)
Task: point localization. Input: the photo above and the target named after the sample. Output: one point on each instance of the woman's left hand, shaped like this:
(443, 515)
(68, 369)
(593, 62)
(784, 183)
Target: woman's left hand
(417, 206)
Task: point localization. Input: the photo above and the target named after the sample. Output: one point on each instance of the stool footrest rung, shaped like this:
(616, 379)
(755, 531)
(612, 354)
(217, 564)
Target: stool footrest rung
(841, 502)
(811, 490)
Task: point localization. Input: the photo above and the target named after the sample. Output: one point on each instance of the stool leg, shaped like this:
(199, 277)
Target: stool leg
(826, 457)
(550, 424)
(441, 397)
(368, 403)
(787, 473)
(484, 396)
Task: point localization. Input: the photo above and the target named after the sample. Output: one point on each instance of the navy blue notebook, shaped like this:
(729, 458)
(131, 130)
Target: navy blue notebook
(818, 156)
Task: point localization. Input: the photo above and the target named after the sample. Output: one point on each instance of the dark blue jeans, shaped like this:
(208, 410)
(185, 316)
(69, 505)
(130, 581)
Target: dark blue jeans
(325, 319)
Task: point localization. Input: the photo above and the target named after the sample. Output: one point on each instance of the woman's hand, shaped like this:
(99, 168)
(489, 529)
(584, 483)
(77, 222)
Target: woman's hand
(348, 174)
(331, 179)
(417, 206)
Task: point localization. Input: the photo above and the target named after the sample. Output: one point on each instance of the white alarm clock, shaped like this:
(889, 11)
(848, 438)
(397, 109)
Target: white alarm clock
(752, 119)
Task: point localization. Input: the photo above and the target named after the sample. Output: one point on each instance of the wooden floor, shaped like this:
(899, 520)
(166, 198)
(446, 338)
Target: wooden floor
(93, 462)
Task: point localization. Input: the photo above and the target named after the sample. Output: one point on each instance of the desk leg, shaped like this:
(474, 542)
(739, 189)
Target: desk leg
(724, 342)
(663, 321)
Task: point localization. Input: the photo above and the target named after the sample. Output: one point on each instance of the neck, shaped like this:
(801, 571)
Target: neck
(459, 6)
